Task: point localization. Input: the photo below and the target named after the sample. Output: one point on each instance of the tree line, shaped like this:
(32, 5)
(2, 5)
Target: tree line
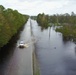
(63, 18)
(10, 23)
(66, 18)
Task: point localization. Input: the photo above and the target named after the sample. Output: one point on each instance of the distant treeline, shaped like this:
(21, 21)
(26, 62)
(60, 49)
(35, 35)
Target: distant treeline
(10, 23)
(66, 18)
(33, 17)
(63, 18)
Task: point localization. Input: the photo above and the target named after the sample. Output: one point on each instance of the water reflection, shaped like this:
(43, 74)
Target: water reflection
(75, 50)
(55, 54)
(5, 55)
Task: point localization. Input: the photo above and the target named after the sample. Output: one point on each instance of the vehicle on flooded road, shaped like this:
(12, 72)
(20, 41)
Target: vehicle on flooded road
(22, 44)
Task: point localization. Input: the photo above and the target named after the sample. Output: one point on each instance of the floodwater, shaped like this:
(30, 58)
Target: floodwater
(55, 55)
(16, 61)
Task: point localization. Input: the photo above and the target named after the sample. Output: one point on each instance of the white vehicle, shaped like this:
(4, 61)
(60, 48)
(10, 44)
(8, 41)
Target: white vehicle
(21, 44)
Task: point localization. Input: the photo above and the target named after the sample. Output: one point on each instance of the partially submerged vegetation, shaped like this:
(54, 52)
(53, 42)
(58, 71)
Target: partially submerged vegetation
(36, 70)
(69, 32)
(10, 23)
(43, 20)
(66, 21)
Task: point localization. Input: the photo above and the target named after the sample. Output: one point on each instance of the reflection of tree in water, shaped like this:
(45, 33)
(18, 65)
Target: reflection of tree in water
(43, 28)
(49, 32)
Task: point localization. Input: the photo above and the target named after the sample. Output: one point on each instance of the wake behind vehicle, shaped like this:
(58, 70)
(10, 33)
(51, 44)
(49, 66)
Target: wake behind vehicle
(22, 44)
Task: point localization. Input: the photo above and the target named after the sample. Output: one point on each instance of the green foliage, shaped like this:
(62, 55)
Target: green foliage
(43, 20)
(68, 31)
(63, 18)
(10, 23)
(1, 8)
(68, 23)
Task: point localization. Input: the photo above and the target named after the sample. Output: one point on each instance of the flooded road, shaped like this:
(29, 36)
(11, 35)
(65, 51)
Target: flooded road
(16, 61)
(55, 55)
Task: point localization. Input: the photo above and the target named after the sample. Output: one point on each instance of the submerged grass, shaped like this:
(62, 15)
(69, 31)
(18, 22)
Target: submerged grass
(36, 70)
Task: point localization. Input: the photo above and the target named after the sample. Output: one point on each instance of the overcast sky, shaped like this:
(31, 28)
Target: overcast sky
(33, 7)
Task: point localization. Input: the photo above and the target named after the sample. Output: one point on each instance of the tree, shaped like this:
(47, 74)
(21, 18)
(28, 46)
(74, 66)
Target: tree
(43, 20)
